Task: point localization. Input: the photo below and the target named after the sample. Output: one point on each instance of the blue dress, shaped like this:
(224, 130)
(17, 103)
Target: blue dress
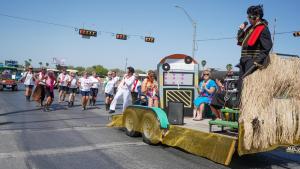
(204, 96)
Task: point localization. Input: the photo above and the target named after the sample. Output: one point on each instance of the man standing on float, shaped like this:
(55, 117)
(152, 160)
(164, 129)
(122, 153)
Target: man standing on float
(124, 90)
(256, 43)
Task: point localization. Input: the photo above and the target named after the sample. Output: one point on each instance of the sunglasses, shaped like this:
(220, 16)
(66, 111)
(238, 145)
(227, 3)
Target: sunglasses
(253, 17)
(205, 74)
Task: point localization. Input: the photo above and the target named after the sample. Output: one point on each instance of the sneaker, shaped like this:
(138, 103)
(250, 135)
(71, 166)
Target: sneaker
(111, 111)
(83, 109)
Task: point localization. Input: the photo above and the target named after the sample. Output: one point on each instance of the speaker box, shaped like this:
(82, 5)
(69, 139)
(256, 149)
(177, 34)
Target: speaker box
(175, 112)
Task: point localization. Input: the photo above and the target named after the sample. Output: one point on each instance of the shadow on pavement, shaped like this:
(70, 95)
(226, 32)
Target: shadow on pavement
(266, 160)
(19, 111)
(4, 123)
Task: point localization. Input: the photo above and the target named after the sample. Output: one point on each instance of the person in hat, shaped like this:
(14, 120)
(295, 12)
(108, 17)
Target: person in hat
(28, 80)
(255, 41)
(124, 89)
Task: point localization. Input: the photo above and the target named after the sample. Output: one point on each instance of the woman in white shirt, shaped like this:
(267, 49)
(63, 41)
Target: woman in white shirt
(28, 79)
(85, 87)
(72, 83)
(63, 79)
(95, 87)
(109, 89)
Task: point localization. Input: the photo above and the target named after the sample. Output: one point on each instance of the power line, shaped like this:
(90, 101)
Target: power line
(113, 33)
(234, 37)
(38, 21)
(63, 25)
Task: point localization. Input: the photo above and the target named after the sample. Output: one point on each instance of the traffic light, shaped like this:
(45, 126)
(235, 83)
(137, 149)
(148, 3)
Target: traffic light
(149, 39)
(85, 32)
(121, 36)
(296, 33)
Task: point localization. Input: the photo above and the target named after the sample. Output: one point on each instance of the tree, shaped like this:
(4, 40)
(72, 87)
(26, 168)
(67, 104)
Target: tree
(40, 63)
(118, 71)
(80, 69)
(27, 63)
(30, 60)
(138, 71)
(229, 67)
(99, 69)
(47, 64)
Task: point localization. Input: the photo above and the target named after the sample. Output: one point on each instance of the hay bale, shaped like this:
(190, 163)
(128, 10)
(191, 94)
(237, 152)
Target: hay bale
(270, 106)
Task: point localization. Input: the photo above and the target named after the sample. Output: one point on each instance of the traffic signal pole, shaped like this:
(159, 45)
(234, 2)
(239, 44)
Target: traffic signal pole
(194, 24)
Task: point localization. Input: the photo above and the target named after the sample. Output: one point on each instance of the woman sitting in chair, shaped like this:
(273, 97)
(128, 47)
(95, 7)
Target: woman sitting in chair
(206, 90)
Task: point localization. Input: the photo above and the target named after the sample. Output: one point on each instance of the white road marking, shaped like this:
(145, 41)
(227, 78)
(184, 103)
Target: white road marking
(54, 151)
(73, 128)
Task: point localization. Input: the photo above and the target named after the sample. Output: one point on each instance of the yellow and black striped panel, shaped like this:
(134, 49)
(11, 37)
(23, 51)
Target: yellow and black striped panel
(184, 96)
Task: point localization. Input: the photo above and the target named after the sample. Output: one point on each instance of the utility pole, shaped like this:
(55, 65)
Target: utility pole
(126, 59)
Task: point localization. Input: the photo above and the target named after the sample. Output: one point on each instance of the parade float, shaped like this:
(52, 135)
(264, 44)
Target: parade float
(268, 116)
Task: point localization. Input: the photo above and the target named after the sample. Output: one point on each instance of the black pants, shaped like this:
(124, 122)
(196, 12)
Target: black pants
(134, 97)
(43, 93)
(246, 68)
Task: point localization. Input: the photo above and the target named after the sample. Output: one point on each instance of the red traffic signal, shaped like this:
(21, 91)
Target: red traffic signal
(296, 33)
(85, 32)
(149, 39)
(121, 36)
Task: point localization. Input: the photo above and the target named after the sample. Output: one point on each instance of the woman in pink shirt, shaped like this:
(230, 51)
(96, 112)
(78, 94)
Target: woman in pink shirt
(50, 83)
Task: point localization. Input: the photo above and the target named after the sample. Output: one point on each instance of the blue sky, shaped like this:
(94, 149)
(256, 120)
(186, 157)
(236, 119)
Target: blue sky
(21, 40)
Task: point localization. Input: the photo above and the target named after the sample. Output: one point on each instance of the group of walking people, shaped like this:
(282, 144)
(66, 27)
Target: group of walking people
(130, 88)
(45, 82)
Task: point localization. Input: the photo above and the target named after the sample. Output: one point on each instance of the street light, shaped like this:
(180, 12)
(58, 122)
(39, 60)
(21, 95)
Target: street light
(194, 24)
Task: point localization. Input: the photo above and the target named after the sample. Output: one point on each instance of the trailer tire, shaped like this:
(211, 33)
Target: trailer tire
(130, 124)
(151, 131)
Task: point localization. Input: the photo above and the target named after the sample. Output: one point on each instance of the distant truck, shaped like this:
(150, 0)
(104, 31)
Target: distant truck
(8, 79)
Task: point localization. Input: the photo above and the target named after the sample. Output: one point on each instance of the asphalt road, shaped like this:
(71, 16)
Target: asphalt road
(69, 138)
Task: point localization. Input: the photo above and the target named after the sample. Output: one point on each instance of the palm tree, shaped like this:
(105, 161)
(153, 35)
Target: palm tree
(47, 64)
(229, 67)
(40, 63)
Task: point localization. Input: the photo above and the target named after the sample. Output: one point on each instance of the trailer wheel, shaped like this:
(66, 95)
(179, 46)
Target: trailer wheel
(151, 131)
(130, 124)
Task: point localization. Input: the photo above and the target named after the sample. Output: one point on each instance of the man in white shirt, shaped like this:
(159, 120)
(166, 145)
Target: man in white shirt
(63, 79)
(124, 90)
